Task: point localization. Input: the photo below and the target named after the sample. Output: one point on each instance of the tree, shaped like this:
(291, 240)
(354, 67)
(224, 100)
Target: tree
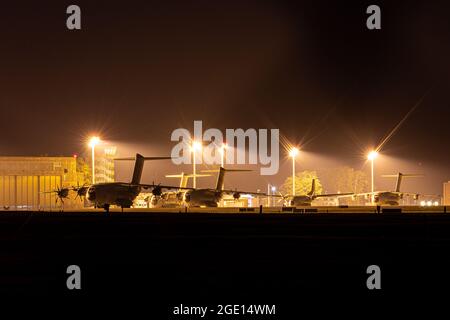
(345, 179)
(303, 181)
(84, 173)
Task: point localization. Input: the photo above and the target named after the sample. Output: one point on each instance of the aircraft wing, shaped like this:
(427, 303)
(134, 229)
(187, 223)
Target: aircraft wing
(153, 186)
(414, 194)
(363, 194)
(337, 195)
(244, 192)
(401, 192)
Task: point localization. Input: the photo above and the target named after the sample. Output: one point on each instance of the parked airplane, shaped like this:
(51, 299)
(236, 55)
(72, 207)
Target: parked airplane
(392, 197)
(173, 199)
(211, 197)
(122, 194)
(306, 199)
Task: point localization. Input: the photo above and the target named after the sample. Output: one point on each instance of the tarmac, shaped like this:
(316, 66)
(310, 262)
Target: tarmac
(240, 257)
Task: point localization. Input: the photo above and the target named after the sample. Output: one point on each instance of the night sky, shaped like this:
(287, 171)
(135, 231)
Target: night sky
(140, 69)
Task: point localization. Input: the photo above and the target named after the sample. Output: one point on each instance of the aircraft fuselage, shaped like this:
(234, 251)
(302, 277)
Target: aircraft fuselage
(114, 193)
(298, 201)
(387, 198)
(202, 198)
(169, 199)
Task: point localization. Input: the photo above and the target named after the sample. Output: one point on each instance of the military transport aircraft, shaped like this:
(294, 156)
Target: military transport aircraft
(173, 199)
(122, 194)
(306, 199)
(211, 197)
(391, 197)
(103, 195)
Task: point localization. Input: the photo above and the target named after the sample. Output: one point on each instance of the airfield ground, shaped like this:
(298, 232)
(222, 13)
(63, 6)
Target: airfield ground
(246, 257)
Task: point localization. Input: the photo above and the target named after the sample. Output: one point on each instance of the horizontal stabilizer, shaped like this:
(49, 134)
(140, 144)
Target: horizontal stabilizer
(403, 175)
(144, 158)
(399, 177)
(227, 170)
(187, 175)
(139, 165)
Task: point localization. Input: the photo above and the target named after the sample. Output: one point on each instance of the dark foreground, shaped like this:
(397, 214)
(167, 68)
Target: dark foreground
(201, 259)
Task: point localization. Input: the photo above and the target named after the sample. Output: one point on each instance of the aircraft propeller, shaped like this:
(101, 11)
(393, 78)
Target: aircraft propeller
(157, 191)
(80, 190)
(61, 194)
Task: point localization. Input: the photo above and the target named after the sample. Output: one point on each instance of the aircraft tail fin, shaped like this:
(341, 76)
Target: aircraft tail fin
(312, 193)
(184, 178)
(220, 179)
(139, 165)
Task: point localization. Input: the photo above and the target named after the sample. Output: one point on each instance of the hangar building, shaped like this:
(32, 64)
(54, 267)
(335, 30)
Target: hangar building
(446, 194)
(23, 181)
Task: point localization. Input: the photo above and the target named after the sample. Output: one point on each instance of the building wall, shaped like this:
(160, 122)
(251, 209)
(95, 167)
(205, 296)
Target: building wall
(446, 194)
(104, 163)
(26, 183)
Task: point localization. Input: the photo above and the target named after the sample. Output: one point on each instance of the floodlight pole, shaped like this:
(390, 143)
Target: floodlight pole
(93, 163)
(372, 195)
(293, 176)
(194, 178)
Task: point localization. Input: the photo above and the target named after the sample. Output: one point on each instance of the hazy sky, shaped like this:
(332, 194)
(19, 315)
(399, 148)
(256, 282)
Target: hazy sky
(140, 69)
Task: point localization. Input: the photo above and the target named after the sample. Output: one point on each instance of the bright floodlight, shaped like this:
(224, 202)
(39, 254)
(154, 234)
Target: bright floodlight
(294, 152)
(94, 141)
(196, 145)
(223, 147)
(274, 189)
(372, 155)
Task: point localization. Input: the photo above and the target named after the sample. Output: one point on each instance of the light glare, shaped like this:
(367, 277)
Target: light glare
(294, 152)
(94, 141)
(372, 155)
(196, 145)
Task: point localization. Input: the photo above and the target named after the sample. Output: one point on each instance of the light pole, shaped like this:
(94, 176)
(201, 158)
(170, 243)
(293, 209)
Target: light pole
(195, 146)
(371, 156)
(273, 193)
(92, 143)
(293, 153)
(222, 154)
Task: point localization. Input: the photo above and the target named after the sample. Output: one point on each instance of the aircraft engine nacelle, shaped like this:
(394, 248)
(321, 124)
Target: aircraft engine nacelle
(157, 191)
(187, 197)
(154, 200)
(236, 195)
